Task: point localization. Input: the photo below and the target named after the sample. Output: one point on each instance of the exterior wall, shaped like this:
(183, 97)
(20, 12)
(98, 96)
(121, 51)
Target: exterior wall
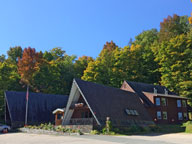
(171, 109)
(81, 111)
(78, 112)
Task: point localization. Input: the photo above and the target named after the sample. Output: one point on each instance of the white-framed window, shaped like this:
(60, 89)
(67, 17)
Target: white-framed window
(157, 101)
(164, 115)
(185, 117)
(178, 103)
(180, 116)
(184, 103)
(159, 115)
(163, 102)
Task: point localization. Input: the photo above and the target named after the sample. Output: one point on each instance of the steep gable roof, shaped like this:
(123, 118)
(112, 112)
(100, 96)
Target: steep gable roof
(139, 88)
(40, 106)
(111, 102)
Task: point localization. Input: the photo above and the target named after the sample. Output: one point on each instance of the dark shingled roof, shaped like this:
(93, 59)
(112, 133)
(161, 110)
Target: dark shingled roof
(111, 102)
(39, 109)
(139, 87)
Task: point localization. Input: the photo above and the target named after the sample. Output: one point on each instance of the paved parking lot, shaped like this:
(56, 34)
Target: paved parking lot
(23, 138)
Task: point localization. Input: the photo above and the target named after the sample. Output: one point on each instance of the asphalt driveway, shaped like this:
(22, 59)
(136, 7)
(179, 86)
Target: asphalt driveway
(23, 138)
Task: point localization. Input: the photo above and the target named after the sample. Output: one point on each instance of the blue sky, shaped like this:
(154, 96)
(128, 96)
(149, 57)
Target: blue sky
(81, 27)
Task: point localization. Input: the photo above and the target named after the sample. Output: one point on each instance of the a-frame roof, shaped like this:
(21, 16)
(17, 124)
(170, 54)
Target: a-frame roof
(111, 102)
(40, 106)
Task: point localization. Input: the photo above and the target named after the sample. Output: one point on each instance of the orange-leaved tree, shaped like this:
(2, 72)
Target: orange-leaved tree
(190, 18)
(28, 64)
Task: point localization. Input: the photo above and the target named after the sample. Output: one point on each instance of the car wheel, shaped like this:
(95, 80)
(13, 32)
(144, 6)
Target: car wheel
(5, 130)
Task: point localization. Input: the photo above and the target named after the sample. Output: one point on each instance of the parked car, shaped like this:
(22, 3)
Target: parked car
(4, 128)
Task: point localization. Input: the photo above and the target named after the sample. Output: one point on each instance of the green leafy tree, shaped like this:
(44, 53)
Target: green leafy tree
(101, 70)
(47, 78)
(57, 53)
(55, 76)
(175, 60)
(2, 58)
(81, 64)
(9, 80)
(14, 53)
(144, 69)
(173, 26)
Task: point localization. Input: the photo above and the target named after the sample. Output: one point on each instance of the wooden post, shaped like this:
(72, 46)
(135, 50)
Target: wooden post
(108, 124)
(5, 108)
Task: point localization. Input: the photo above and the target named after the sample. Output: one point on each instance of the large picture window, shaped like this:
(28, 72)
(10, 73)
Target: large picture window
(185, 117)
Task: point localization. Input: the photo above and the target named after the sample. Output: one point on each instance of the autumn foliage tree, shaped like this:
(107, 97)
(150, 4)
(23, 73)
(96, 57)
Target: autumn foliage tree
(173, 26)
(28, 64)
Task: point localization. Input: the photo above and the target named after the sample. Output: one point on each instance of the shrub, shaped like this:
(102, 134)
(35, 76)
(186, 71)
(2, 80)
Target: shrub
(188, 126)
(79, 132)
(95, 132)
(154, 128)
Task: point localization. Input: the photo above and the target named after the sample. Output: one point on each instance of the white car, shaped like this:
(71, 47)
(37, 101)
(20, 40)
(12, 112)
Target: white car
(4, 128)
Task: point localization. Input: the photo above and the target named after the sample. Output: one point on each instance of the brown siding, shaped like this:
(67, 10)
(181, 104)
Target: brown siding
(79, 110)
(171, 109)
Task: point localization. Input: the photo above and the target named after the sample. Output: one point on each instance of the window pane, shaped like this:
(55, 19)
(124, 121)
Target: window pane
(132, 112)
(180, 117)
(165, 115)
(136, 113)
(158, 115)
(163, 101)
(184, 103)
(128, 111)
(185, 116)
(59, 116)
(157, 101)
(178, 103)
(82, 114)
